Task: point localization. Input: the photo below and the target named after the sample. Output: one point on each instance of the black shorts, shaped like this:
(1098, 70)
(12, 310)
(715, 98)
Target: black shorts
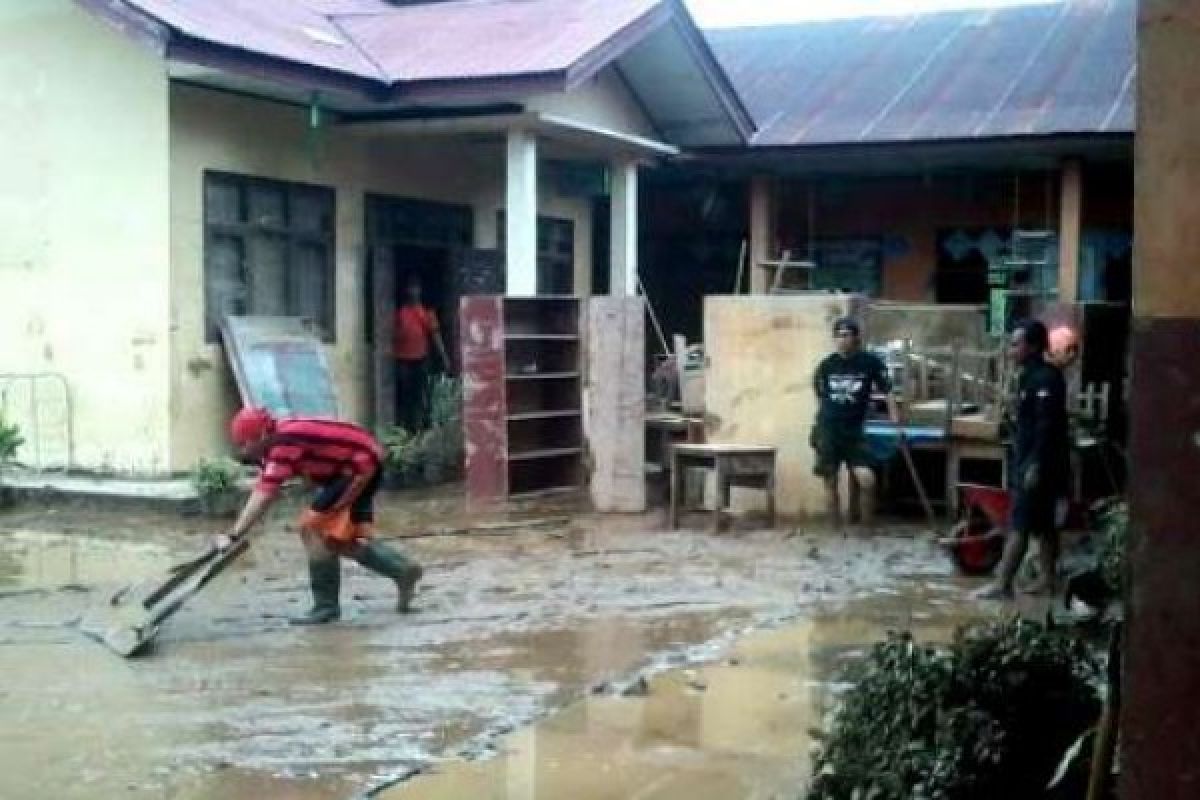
(1034, 511)
(836, 446)
(363, 507)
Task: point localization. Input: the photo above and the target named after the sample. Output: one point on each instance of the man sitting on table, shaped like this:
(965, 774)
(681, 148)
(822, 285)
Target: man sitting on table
(844, 382)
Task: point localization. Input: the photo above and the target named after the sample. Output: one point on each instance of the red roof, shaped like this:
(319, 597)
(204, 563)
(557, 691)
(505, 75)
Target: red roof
(490, 38)
(285, 29)
(376, 41)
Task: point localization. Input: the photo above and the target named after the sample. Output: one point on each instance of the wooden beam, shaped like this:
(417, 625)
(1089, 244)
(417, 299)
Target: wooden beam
(762, 230)
(1070, 227)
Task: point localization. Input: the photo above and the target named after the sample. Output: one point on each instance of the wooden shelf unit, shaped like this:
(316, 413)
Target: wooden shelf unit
(523, 405)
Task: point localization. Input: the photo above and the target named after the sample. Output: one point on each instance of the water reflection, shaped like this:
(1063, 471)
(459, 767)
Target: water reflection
(738, 729)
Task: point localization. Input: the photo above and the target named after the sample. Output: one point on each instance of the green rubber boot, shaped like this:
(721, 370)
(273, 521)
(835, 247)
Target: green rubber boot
(325, 575)
(381, 559)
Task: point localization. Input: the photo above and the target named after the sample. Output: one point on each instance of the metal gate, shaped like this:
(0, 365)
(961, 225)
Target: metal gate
(39, 404)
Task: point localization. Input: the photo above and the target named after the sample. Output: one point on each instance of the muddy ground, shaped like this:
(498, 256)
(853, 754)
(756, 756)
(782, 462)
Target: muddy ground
(552, 618)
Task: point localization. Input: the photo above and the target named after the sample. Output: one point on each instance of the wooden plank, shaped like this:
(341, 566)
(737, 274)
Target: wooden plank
(541, 337)
(544, 453)
(555, 414)
(485, 432)
(762, 353)
(541, 376)
(616, 403)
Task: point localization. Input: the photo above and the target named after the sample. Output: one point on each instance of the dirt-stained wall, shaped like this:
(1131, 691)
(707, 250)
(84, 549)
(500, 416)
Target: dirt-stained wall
(761, 356)
(84, 228)
(908, 212)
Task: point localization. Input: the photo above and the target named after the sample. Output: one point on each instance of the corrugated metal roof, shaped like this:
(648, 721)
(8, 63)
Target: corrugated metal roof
(283, 29)
(1059, 68)
(490, 38)
(454, 51)
(370, 39)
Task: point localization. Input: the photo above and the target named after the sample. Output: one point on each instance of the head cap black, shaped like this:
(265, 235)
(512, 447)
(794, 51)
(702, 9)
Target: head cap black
(1036, 336)
(845, 325)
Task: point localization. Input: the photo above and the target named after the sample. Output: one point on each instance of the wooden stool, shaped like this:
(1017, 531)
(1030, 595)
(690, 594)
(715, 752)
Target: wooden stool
(734, 464)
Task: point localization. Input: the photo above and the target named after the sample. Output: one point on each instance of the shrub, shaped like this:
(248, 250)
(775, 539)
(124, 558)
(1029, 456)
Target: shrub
(10, 441)
(216, 476)
(433, 455)
(987, 718)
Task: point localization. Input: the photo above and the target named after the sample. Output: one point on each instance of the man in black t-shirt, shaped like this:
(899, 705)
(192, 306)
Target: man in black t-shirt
(844, 382)
(1041, 461)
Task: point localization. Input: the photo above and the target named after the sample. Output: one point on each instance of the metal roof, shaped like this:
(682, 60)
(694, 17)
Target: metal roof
(491, 38)
(451, 51)
(1059, 68)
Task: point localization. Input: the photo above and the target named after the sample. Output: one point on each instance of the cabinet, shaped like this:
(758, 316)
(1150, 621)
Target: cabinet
(522, 398)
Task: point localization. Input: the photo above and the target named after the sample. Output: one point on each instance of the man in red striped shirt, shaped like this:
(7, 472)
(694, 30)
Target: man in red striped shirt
(344, 463)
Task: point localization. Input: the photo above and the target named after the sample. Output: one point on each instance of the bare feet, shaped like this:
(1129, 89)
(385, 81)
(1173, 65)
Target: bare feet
(1040, 588)
(993, 591)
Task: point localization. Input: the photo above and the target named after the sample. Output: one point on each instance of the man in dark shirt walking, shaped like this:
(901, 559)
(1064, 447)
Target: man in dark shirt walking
(844, 381)
(1040, 460)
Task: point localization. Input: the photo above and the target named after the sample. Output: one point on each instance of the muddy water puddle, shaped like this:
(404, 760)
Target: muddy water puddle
(236, 705)
(736, 729)
(31, 560)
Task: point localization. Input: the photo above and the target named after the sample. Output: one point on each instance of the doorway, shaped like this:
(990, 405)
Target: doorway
(406, 237)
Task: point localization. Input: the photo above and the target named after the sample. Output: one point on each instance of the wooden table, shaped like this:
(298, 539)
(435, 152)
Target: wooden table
(750, 466)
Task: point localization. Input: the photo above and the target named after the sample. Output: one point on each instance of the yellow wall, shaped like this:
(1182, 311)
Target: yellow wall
(762, 353)
(84, 226)
(101, 229)
(219, 131)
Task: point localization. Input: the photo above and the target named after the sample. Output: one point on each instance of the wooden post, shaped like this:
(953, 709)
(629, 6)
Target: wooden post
(1070, 230)
(762, 230)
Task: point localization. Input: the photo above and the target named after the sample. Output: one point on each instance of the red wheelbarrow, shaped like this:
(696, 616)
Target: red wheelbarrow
(976, 542)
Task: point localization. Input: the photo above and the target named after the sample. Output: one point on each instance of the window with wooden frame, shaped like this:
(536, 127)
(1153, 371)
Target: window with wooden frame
(268, 250)
(555, 253)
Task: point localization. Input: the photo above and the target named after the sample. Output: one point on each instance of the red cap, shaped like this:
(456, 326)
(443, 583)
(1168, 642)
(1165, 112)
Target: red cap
(249, 425)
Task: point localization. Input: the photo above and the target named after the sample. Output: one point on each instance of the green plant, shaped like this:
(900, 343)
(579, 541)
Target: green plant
(987, 718)
(10, 441)
(215, 476)
(433, 455)
(1114, 539)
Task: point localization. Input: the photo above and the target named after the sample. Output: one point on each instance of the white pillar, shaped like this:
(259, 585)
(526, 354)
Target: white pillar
(624, 266)
(520, 214)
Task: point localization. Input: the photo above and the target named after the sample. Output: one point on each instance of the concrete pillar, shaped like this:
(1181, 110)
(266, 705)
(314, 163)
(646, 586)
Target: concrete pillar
(762, 230)
(623, 266)
(1070, 229)
(1160, 751)
(520, 214)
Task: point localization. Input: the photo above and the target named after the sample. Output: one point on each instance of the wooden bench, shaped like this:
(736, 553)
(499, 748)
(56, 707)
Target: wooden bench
(747, 466)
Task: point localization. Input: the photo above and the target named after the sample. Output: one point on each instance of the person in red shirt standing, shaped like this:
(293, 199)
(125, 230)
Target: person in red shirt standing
(344, 462)
(415, 326)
